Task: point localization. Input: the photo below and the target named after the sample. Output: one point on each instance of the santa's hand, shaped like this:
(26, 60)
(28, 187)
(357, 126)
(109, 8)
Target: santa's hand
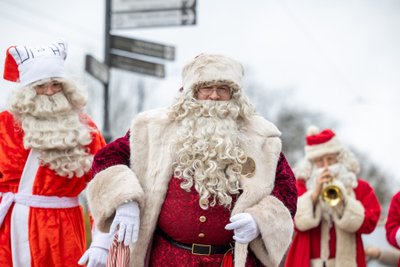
(98, 250)
(127, 220)
(244, 227)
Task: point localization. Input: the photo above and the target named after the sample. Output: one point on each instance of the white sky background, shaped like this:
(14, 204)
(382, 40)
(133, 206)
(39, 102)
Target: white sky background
(341, 57)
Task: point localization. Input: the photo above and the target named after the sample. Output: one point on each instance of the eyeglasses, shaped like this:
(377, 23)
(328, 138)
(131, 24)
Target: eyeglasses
(49, 88)
(221, 90)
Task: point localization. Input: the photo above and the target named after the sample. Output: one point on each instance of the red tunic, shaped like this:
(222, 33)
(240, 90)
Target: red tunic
(393, 221)
(306, 244)
(195, 226)
(56, 236)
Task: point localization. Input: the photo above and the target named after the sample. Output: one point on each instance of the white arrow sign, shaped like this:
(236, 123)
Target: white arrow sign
(146, 5)
(142, 47)
(137, 65)
(153, 18)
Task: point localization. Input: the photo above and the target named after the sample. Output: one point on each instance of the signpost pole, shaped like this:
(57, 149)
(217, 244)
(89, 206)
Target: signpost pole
(107, 62)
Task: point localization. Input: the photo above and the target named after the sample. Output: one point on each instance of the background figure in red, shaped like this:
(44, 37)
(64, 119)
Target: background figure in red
(329, 226)
(393, 222)
(47, 145)
(188, 183)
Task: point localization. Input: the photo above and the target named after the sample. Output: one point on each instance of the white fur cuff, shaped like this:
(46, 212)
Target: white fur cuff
(108, 190)
(276, 228)
(307, 217)
(398, 237)
(353, 216)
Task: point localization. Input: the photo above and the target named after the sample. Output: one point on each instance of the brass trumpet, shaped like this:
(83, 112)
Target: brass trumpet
(331, 194)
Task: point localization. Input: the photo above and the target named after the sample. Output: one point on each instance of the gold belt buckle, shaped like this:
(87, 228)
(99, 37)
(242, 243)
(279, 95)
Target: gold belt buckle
(194, 246)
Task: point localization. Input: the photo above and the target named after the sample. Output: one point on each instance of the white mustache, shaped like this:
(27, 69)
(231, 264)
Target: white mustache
(338, 171)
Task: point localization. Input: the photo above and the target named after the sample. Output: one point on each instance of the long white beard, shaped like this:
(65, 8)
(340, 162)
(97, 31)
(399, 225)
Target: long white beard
(53, 128)
(210, 153)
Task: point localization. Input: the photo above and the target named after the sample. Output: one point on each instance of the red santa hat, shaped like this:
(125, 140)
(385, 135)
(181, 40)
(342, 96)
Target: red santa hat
(25, 64)
(319, 143)
(211, 67)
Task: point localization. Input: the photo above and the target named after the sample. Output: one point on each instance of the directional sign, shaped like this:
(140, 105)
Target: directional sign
(153, 18)
(146, 5)
(143, 47)
(96, 69)
(136, 65)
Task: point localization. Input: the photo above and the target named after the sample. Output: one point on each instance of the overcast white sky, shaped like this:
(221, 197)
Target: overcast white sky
(341, 57)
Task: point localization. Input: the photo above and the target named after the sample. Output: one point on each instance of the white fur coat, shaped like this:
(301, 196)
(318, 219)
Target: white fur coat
(147, 178)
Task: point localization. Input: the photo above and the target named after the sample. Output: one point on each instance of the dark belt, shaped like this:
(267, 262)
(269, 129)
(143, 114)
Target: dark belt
(196, 249)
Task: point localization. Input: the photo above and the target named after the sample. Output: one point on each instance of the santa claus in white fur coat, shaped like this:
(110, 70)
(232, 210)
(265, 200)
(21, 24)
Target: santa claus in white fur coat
(189, 184)
(329, 233)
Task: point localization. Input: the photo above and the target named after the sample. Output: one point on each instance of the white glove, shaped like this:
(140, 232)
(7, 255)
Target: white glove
(98, 250)
(127, 221)
(244, 227)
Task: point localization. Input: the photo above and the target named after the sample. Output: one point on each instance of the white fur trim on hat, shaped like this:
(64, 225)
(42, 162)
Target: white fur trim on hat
(330, 147)
(208, 67)
(36, 63)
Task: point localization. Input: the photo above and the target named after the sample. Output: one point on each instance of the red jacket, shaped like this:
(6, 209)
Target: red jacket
(393, 221)
(306, 244)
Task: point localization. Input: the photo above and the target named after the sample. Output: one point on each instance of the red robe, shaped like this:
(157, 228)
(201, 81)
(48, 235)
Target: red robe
(306, 244)
(393, 221)
(56, 236)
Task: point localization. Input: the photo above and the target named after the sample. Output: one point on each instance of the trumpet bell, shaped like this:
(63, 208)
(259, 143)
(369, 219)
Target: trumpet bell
(332, 195)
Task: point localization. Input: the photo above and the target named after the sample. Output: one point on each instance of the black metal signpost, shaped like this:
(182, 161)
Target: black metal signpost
(124, 14)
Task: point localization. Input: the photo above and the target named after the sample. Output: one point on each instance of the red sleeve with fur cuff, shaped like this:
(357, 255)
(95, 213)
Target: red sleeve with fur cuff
(366, 195)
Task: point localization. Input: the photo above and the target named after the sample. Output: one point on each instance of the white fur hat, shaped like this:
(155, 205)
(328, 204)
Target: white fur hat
(29, 64)
(321, 143)
(210, 67)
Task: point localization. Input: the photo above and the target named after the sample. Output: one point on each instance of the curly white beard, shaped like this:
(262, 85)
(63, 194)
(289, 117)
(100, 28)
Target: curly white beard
(209, 151)
(53, 126)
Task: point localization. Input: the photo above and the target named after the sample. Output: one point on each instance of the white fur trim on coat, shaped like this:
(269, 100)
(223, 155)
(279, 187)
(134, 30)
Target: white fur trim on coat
(152, 134)
(308, 215)
(147, 179)
(276, 228)
(353, 216)
(108, 190)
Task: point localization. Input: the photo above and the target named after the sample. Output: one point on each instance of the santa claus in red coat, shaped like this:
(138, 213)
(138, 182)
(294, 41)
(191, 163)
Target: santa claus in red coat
(334, 207)
(47, 145)
(191, 183)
